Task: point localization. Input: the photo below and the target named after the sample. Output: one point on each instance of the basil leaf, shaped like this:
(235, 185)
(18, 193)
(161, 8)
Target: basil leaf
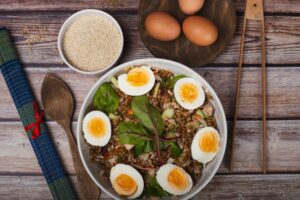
(106, 99)
(154, 189)
(147, 114)
(175, 149)
(170, 82)
(131, 133)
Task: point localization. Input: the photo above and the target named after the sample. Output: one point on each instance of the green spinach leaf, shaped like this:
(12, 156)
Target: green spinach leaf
(148, 147)
(106, 99)
(175, 149)
(147, 114)
(139, 148)
(150, 117)
(154, 188)
(170, 82)
(131, 133)
(144, 147)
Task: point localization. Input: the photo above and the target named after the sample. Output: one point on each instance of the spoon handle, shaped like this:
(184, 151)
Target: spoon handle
(87, 187)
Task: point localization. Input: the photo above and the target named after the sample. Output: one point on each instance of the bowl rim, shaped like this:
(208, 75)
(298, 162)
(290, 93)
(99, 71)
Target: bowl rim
(164, 61)
(67, 23)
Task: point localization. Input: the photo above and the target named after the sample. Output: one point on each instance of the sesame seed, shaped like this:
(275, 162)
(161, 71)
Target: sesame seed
(92, 43)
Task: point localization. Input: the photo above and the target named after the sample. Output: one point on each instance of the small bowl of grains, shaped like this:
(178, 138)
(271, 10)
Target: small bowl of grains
(90, 41)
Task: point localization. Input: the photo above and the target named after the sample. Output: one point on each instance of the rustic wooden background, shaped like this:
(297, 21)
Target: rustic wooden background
(34, 25)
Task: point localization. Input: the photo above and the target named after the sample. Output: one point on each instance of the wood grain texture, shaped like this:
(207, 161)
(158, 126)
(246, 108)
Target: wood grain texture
(283, 148)
(35, 36)
(283, 90)
(32, 187)
(233, 187)
(35, 33)
(254, 11)
(273, 6)
(58, 103)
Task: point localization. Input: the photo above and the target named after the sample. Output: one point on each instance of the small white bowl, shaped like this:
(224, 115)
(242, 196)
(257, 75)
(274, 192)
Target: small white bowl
(69, 21)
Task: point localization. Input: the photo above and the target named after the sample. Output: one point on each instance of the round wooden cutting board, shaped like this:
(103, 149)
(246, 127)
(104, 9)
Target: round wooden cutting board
(222, 13)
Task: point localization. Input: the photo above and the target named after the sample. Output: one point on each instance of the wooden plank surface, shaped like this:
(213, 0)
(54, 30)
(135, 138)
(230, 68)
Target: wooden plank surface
(233, 187)
(35, 33)
(273, 6)
(283, 147)
(283, 90)
(35, 36)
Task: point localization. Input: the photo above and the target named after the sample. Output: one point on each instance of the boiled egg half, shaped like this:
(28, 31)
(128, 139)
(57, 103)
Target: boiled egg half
(96, 128)
(174, 179)
(137, 81)
(126, 181)
(189, 93)
(205, 145)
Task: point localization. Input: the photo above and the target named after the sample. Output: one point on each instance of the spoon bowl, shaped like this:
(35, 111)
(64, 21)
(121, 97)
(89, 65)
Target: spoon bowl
(58, 104)
(57, 99)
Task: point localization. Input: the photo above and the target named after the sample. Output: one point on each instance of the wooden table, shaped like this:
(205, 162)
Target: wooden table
(34, 25)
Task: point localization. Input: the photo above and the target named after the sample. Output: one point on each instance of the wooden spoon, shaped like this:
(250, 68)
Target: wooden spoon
(58, 103)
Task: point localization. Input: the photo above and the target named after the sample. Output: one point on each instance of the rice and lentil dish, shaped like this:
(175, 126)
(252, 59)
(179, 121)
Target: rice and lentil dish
(179, 129)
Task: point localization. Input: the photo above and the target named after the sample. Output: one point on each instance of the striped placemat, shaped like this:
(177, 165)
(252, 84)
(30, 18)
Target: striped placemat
(32, 119)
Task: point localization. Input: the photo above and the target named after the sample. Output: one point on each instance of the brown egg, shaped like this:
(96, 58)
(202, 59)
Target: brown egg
(162, 26)
(200, 30)
(190, 7)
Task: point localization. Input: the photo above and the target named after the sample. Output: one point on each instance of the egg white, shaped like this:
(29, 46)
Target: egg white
(198, 101)
(130, 171)
(102, 141)
(197, 153)
(131, 90)
(162, 179)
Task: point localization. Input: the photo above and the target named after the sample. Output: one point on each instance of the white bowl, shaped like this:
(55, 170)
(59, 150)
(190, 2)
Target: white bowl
(94, 170)
(69, 21)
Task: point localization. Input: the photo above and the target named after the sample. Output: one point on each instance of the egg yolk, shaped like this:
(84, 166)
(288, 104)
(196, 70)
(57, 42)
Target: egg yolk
(209, 142)
(96, 127)
(125, 185)
(177, 178)
(188, 92)
(137, 77)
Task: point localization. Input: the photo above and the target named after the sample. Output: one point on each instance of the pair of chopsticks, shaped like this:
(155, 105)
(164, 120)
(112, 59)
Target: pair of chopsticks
(254, 11)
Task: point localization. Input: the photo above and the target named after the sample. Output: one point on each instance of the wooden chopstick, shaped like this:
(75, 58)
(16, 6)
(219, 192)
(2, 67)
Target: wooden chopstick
(264, 96)
(237, 92)
(253, 10)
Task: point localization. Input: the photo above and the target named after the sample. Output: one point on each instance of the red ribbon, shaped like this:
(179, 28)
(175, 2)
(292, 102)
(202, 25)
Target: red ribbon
(36, 132)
